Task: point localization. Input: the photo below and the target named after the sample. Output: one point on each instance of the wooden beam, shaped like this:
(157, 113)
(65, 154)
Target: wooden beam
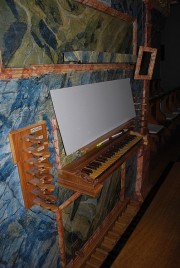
(38, 70)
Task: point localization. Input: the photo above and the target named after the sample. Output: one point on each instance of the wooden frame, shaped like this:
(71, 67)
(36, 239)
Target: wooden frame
(38, 70)
(115, 13)
(145, 63)
(162, 6)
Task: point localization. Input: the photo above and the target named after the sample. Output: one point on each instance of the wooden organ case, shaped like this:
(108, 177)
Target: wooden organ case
(108, 151)
(88, 173)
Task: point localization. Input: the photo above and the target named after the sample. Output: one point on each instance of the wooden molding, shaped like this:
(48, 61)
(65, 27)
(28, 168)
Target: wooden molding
(115, 13)
(149, 65)
(38, 70)
(106, 9)
(159, 5)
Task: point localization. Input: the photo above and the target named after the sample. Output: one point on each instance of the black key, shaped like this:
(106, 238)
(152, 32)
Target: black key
(91, 167)
(102, 159)
(87, 171)
(95, 164)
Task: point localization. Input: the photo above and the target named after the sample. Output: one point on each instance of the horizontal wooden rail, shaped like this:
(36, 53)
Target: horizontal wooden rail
(106, 9)
(38, 70)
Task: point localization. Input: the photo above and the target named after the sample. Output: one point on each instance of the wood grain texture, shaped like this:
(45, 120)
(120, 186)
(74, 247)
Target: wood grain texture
(38, 70)
(29, 146)
(156, 240)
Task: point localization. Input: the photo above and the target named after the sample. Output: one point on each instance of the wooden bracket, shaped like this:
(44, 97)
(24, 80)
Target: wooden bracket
(29, 146)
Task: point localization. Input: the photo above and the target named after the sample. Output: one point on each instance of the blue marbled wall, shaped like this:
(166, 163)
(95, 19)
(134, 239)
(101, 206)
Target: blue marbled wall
(29, 238)
(24, 102)
(136, 9)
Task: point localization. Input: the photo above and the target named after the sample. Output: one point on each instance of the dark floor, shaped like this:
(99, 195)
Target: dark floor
(161, 163)
(170, 152)
(155, 241)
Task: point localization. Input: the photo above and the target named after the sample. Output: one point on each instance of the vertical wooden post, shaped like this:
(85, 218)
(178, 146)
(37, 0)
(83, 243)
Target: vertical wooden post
(142, 170)
(56, 143)
(139, 175)
(135, 37)
(146, 83)
(144, 152)
(60, 229)
(123, 176)
(148, 25)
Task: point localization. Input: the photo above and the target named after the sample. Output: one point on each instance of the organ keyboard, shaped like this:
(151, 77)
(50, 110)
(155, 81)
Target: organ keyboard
(88, 173)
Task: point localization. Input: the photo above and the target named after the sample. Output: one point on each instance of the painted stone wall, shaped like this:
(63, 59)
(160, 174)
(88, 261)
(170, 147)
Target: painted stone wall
(42, 30)
(28, 238)
(135, 9)
(24, 102)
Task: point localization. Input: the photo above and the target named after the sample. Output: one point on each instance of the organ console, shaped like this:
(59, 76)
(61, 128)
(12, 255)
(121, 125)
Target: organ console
(99, 117)
(88, 173)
